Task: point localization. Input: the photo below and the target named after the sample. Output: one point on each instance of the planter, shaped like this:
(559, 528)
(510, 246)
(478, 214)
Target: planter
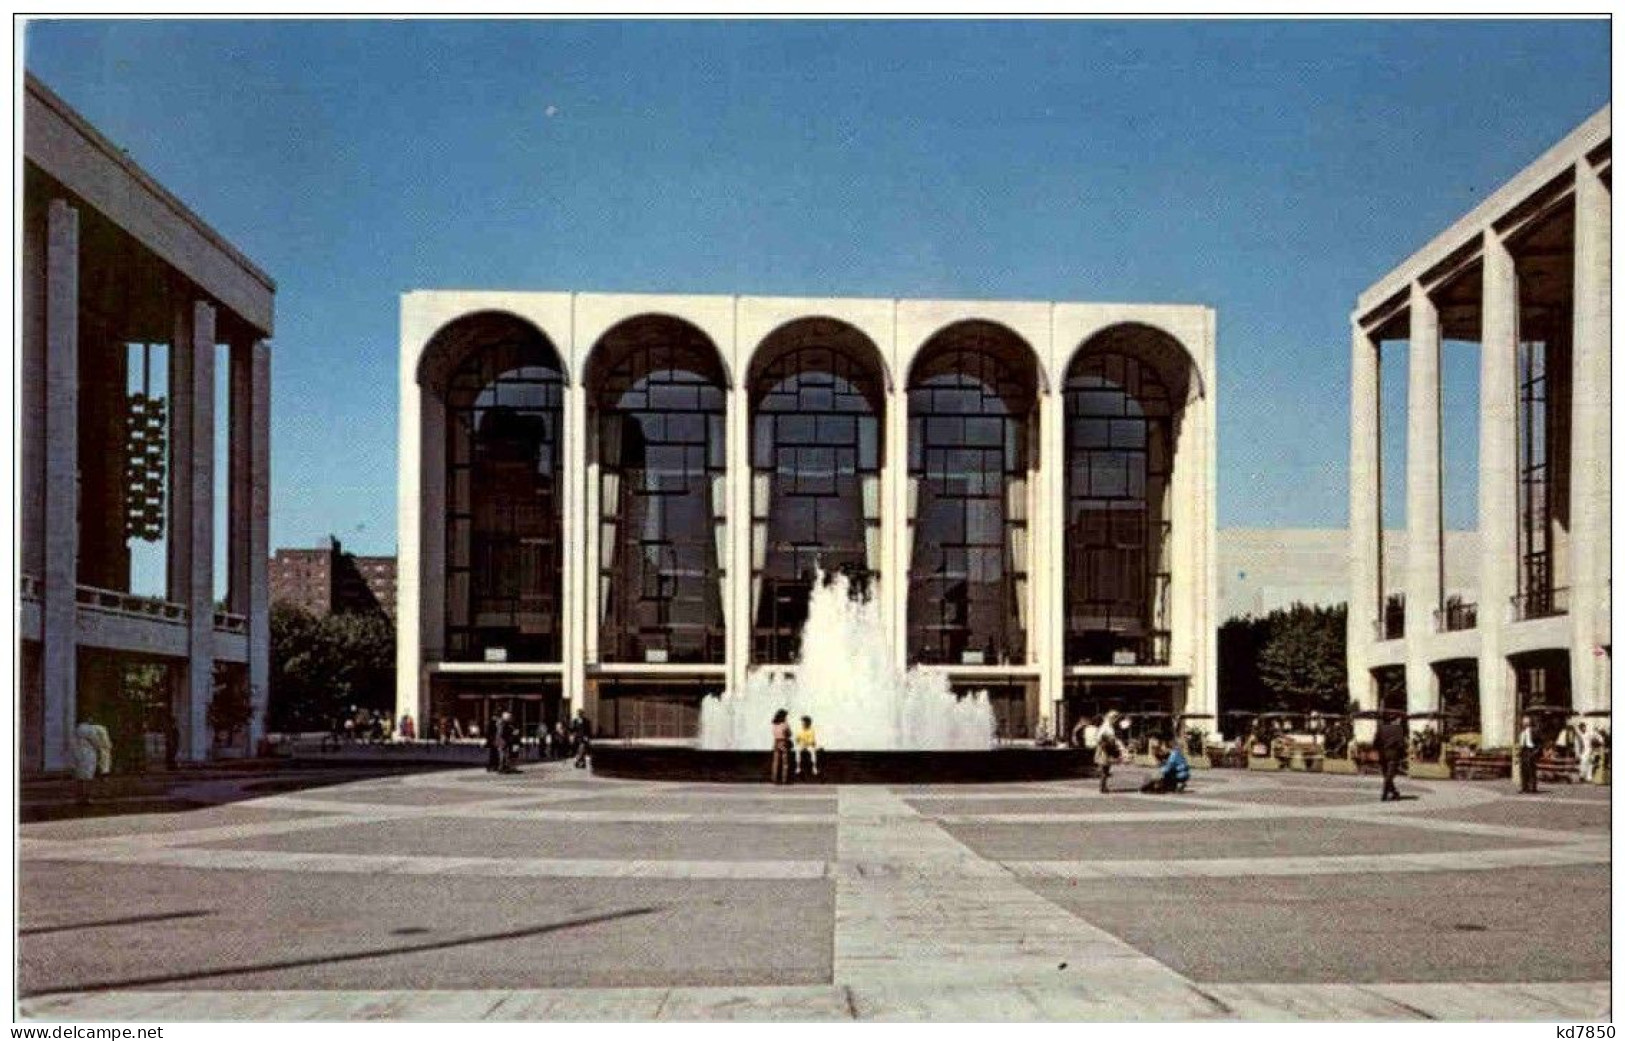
(1263, 762)
(1307, 764)
(1435, 771)
(1340, 766)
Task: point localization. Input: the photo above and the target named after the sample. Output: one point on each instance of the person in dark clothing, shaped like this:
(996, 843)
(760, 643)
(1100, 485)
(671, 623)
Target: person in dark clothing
(1528, 758)
(493, 747)
(508, 739)
(172, 741)
(1391, 748)
(581, 735)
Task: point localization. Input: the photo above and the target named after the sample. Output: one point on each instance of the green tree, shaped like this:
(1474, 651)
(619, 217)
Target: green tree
(321, 665)
(1302, 664)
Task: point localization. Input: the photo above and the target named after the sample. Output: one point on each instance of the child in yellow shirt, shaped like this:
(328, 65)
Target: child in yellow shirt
(807, 742)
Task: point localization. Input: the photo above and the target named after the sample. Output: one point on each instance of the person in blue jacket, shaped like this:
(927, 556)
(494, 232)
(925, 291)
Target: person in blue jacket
(1172, 775)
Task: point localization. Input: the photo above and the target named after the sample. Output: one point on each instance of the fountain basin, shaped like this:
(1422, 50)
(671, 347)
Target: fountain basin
(686, 763)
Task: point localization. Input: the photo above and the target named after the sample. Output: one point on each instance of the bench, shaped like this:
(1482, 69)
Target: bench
(1481, 767)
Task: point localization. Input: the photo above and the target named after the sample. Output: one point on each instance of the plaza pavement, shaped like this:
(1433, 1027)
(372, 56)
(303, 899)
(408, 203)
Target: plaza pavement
(459, 895)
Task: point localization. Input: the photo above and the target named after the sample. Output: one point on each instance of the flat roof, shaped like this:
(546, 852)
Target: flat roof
(66, 146)
(1580, 141)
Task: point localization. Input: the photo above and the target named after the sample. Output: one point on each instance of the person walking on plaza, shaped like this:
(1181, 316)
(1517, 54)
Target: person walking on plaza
(1528, 757)
(1108, 750)
(807, 745)
(172, 740)
(493, 748)
(508, 737)
(781, 747)
(1391, 748)
(581, 735)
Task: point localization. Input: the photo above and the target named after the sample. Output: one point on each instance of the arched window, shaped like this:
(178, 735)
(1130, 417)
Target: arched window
(816, 413)
(1119, 460)
(659, 412)
(504, 492)
(970, 447)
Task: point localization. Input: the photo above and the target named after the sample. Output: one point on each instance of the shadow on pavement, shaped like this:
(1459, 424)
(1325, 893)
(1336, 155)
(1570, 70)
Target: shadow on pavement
(333, 959)
(106, 923)
(54, 799)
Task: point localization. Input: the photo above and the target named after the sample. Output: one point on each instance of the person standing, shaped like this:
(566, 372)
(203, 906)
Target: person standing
(1528, 757)
(781, 747)
(508, 735)
(1391, 748)
(493, 748)
(581, 735)
(172, 740)
(1108, 750)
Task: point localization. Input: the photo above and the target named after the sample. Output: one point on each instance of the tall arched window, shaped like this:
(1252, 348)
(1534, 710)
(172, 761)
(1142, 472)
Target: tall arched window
(816, 412)
(970, 446)
(504, 492)
(659, 412)
(1119, 458)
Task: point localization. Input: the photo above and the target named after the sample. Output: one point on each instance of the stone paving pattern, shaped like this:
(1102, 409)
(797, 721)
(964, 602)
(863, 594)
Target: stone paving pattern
(458, 895)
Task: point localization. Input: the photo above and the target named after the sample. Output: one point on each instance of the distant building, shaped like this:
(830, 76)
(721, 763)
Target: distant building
(133, 311)
(328, 580)
(1265, 569)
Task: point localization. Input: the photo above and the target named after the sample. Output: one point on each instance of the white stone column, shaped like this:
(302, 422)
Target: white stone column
(1591, 484)
(575, 533)
(431, 526)
(195, 734)
(1049, 555)
(898, 546)
(409, 507)
(258, 525)
(1365, 512)
(1424, 575)
(740, 531)
(1497, 489)
(59, 610)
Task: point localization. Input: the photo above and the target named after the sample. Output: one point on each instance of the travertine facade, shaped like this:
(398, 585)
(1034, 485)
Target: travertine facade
(808, 442)
(1525, 275)
(113, 269)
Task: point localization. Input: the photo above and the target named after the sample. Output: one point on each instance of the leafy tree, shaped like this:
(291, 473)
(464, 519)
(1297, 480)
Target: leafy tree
(230, 707)
(321, 665)
(1303, 662)
(1240, 642)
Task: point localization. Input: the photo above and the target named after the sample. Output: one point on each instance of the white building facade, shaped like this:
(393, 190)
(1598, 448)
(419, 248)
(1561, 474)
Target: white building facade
(620, 502)
(1525, 278)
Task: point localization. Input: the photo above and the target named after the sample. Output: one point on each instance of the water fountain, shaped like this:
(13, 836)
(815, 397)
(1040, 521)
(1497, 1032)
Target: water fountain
(875, 721)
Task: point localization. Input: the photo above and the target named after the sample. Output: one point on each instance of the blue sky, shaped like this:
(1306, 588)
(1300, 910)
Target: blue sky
(1269, 169)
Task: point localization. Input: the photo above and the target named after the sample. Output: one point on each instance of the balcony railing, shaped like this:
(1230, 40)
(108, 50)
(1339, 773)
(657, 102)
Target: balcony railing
(112, 601)
(1540, 603)
(1455, 617)
(226, 622)
(30, 588)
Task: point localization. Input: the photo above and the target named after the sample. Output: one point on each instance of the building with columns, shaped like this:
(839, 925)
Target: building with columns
(132, 310)
(619, 501)
(1524, 280)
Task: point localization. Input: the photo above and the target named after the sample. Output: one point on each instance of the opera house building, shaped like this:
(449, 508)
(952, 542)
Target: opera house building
(622, 502)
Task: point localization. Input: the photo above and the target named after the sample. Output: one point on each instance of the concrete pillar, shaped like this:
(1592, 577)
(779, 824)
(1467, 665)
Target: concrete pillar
(1497, 488)
(1049, 554)
(179, 543)
(1424, 565)
(59, 610)
(740, 530)
(410, 504)
(1591, 484)
(257, 523)
(194, 727)
(897, 557)
(1365, 512)
(574, 532)
(239, 440)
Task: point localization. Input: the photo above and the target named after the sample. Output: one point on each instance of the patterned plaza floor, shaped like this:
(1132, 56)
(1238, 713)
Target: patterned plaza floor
(459, 895)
